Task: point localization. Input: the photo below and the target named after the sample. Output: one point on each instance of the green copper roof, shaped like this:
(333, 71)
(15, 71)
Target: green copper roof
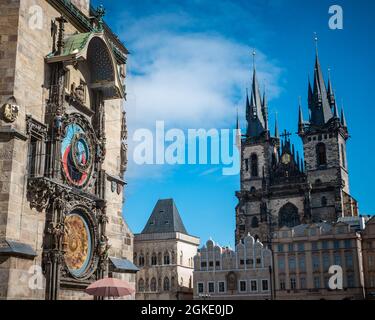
(75, 43)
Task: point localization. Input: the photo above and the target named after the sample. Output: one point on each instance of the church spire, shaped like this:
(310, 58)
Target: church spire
(265, 110)
(254, 109)
(320, 106)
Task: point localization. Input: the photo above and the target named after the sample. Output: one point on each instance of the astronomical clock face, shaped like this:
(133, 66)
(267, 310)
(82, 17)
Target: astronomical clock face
(77, 244)
(77, 155)
(286, 158)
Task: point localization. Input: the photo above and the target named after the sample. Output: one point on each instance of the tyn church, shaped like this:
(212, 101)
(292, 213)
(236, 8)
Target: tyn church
(278, 186)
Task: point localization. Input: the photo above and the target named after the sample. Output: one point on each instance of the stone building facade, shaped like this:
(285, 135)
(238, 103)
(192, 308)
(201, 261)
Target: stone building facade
(279, 187)
(164, 253)
(368, 252)
(62, 150)
(223, 274)
(304, 254)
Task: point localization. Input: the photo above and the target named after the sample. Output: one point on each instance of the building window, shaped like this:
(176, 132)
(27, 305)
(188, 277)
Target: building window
(166, 284)
(255, 222)
(288, 216)
(243, 286)
(337, 258)
(282, 284)
(293, 283)
(154, 259)
(211, 287)
(265, 285)
(254, 165)
(336, 244)
(302, 263)
(292, 264)
(316, 262)
(166, 258)
(302, 282)
(141, 260)
(315, 246)
(280, 248)
(254, 285)
(324, 201)
(153, 285)
(301, 247)
(326, 261)
(211, 264)
(217, 263)
(317, 282)
(141, 285)
(200, 288)
(290, 247)
(281, 263)
(221, 287)
(325, 245)
(349, 260)
(350, 280)
(321, 155)
(203, 264)
(348, 243)
(259, 261)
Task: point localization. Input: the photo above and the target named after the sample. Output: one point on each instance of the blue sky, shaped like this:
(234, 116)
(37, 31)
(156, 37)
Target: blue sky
(190, 64)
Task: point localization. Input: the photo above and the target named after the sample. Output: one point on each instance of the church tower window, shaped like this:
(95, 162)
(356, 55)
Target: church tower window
(321, 154)
(343, 156)
(255, 222)
(288, 216)
(254, 165)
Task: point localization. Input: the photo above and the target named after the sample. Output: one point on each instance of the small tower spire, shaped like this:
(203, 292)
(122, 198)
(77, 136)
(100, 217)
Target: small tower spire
(265, 110)
(335, 111)
(316, 39)
(301, 128)
(330, 92)
(276, 128)
(343, 118)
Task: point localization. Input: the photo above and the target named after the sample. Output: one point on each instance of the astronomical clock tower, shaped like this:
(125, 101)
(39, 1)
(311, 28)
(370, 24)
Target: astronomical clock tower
(63, 151)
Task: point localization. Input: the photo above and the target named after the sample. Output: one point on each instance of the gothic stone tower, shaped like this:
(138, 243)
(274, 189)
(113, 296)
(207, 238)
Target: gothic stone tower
(278, 188)
(324, 139)
(63, 150)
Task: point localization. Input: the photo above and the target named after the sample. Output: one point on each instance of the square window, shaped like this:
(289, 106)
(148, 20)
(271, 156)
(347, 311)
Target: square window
(217, 263)
(211, 263)
(301, 247)
(203, 264)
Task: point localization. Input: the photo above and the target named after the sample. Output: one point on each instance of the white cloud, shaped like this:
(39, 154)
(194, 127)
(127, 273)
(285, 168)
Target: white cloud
(189, 79)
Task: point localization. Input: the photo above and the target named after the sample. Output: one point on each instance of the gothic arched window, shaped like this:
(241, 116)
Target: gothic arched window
(288, 216)
(154, 259)
(141, 260)
(141, 285)
(254, 165)
(153, 285)
(255, 222)
(166, 284)
(166, 258)
(321, 154)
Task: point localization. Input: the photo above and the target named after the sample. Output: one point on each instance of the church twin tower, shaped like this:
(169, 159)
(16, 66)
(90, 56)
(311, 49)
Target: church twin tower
(280, 189)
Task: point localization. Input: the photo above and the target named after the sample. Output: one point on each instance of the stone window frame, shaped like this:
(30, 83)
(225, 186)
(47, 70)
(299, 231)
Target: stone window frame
(252, 281)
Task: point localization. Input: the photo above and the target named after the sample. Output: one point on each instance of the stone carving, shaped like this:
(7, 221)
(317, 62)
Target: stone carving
(10, 110)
